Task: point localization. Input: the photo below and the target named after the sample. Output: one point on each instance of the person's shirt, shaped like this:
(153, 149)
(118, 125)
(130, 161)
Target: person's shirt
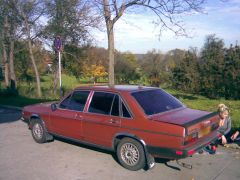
(226, 127)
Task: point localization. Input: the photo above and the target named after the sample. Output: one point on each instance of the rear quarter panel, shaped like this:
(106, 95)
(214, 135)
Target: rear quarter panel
(151, 132)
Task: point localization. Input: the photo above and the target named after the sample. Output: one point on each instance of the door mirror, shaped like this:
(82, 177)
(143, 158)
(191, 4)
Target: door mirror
(54, 107)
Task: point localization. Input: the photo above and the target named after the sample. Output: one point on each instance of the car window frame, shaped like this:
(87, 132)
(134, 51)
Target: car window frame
(71, 94)
(120, 109)
(89, 103)
(119, 112)
(128, 109)
(146, 115)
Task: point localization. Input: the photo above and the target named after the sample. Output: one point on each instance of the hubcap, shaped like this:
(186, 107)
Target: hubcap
(37, 131)
(129, 154)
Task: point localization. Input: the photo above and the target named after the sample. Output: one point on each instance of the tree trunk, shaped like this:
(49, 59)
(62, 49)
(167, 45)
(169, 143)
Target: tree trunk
(39, 92)
(110, 33)
(13, 81)
(5, 58)
(6, 65)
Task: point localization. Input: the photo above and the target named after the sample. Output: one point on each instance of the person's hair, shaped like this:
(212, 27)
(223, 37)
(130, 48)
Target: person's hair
(222, 108)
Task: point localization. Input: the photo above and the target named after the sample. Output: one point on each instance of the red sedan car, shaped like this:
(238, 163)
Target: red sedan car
(137, 123)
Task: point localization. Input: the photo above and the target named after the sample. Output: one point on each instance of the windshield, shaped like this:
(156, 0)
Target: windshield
(156, 101)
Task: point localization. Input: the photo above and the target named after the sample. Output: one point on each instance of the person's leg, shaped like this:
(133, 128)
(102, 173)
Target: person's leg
(228, 137)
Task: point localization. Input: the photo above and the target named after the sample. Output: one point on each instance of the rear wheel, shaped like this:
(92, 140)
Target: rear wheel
(131, 154)
(38, 131)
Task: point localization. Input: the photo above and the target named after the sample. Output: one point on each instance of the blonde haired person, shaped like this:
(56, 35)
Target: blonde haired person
(225, 125)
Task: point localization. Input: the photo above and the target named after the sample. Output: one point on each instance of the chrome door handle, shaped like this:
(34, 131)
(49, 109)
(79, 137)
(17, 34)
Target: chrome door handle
(77, 116)
(112, 121)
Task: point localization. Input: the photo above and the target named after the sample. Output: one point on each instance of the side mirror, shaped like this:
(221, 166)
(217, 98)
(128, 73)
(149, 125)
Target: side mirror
(54, 107)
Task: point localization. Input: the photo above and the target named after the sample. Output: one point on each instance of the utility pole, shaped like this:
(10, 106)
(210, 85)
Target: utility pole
(58, 48)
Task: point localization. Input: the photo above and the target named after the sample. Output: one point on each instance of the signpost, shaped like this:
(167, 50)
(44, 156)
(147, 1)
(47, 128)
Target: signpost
(58, 48)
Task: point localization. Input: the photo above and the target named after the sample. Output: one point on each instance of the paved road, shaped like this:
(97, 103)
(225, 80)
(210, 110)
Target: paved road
(23, 159)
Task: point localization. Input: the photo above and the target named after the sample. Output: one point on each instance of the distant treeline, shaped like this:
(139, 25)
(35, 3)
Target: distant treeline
(215, 72)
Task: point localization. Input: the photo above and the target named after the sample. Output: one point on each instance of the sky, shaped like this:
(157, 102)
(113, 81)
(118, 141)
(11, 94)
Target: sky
(136, 33)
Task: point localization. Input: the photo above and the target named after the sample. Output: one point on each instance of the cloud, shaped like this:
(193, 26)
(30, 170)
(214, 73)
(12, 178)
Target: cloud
(136, 32)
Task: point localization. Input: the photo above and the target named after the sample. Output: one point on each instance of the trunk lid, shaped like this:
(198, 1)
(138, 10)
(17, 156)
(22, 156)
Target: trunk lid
(194, 121)
(180, 117)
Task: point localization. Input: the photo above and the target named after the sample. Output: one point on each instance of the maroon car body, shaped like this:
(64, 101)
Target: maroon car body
(138, 123)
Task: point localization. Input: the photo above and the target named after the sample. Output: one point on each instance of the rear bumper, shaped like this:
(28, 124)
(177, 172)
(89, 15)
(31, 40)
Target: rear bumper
(171, 153)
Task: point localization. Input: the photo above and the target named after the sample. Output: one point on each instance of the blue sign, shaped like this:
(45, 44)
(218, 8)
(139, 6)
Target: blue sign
(58, 43)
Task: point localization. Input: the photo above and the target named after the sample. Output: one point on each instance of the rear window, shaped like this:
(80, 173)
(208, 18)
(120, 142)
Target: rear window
(156, 101)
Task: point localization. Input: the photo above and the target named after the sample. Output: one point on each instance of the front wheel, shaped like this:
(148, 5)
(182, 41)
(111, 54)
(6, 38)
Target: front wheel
(38, 131)
(131, 154)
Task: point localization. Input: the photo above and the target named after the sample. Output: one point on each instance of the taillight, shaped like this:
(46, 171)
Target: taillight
(191, 138)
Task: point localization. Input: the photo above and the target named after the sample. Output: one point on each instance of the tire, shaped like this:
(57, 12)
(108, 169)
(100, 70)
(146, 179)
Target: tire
(38, 131)
(131, 154)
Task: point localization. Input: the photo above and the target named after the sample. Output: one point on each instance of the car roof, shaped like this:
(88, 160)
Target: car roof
(128, 88)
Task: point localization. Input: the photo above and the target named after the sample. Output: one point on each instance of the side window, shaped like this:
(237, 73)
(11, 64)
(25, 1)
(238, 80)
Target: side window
(101, 103)
(65, 103)
(78, 100)
(115, 106)
(125, 112)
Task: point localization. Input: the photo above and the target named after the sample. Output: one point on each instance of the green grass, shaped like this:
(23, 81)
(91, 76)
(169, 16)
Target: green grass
(20, 101)
(206, 104)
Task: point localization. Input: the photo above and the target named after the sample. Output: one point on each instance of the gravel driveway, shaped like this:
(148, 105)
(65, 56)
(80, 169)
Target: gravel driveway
(23, 159)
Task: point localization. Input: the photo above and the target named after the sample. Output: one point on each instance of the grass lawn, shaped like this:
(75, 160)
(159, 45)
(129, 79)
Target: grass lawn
(20, 101)
(203, 103)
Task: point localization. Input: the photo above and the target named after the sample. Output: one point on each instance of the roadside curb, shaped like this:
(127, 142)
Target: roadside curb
(12, 107)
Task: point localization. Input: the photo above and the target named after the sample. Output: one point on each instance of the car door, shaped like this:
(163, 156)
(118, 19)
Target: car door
(102, 120)
(66, 119)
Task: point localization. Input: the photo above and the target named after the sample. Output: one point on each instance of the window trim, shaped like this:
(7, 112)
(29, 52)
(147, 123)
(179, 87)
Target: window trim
(90, 101)
(129, 111)
(119, 112)
(120, 109)
(150, 89)
(71, 94)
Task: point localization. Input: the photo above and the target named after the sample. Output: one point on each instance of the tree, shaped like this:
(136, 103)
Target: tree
(166, 11)
(73, 60)
(10, 23)
(185, 75)
(30, 12)
(126, 68)
(94, 71)
(71, 20)
(212, 67)
(152, 66)
(231, 73)
(97, 55)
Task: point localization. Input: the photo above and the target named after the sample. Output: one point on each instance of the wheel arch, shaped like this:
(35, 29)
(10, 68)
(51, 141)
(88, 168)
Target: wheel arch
(36, 116)
(119, 136)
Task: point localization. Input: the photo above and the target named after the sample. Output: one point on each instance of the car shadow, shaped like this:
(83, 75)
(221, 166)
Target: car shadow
(8, 115)
(166, 163)
(82, 145)
(114, 156)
